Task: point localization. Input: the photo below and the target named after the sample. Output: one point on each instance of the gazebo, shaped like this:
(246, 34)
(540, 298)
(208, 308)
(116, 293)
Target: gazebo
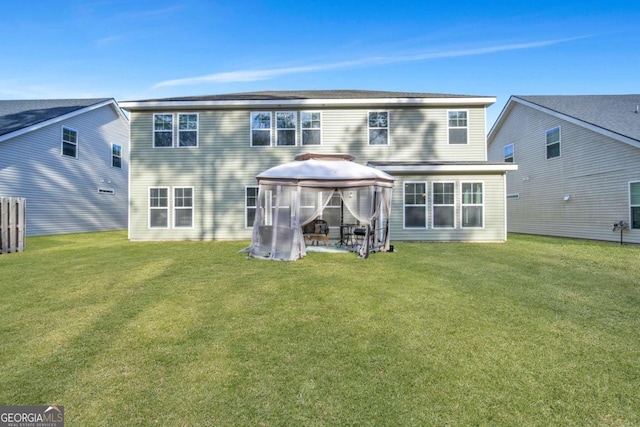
(295, 193)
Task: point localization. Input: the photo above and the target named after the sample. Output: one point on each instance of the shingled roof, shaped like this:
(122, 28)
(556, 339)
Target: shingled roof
(19, 114)
(270, 95)
(619, 114)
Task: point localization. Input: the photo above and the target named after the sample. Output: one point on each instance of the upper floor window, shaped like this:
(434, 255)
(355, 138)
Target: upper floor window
(444, 204)
(69, 142)
(187, 130)
(163, 130)
(311, 126)
(553, 143)
(415, 205)
(261, 129)
(634, 203)
(286, 127)
(116, 156)
(457, 125)
(378, 128)
(508, 153)
(472, 204)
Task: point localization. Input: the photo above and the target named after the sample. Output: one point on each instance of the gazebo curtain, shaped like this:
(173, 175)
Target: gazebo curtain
(284, 208)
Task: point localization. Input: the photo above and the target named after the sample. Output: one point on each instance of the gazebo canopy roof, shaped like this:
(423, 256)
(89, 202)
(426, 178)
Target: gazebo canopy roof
(325, 170)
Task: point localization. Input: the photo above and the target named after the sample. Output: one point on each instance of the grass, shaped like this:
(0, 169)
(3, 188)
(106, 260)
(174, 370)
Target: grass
(536, 331)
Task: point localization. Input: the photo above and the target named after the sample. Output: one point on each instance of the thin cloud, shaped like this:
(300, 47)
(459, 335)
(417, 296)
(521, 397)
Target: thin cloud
(256, 75)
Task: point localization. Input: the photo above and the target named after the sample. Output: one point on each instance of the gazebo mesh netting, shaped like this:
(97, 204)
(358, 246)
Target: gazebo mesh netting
(294, 194)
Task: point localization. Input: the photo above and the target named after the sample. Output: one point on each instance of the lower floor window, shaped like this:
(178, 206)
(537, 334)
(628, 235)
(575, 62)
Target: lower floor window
(160, 204)
(415, 205)
(444, 204)
(634, 201)
(183, 207)
(472, 204)
(250, 205)
(159, 207)
(331, 212)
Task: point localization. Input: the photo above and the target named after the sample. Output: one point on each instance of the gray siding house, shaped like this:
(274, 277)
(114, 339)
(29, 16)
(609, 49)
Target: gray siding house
(194, 160)
(69, 159)
(578, 164)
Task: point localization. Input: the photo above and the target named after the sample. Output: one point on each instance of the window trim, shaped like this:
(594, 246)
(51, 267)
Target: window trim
(167, 208)
(197, 130)
(74, 144)
(387, 128)
(632, 206)
(513, 153)
(449, 127)
(269, 129)
(246, 205)
(434, 205)
(425, 206)
(155, 131)
(294, 129)
(302, 128)
(463, 205)
(559, 142)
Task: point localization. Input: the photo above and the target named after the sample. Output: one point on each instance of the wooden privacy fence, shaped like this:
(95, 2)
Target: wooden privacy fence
(13, 217)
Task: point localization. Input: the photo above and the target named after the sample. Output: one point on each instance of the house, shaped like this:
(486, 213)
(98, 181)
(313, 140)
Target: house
(578, 164)
(194, 160)
(69, 159)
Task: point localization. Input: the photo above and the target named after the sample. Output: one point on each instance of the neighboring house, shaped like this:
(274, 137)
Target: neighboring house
(578, 163)
(194, 160)
(69, 159)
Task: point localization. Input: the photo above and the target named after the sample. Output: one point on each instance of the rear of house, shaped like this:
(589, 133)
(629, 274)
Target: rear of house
(578, 165)
(194, 160)
(69, 159)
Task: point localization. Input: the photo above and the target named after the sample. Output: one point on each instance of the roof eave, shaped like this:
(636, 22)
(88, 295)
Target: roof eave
(63, 117)
(284, 103)
(450, 168)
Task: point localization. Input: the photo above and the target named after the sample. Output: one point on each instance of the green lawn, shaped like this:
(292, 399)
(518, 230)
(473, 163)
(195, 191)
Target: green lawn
(536, 331)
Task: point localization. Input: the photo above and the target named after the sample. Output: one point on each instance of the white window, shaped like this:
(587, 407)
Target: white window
(508, 153)
(187, 130)
(443, 196)
(286, 127)
(69, 142)
(378, 125)
(331, 212)
(553, 142)
(163, 130)
(159, 207)
(415, 205)
(311, 127)
(472, 205)
(116, 156)
(634, 204)
(457, 124)
(250, 205)
(260, 129)
(183, 207)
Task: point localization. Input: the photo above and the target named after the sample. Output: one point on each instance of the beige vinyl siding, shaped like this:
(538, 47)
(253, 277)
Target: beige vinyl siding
(593, 170)
(224, 163)
(62, 191)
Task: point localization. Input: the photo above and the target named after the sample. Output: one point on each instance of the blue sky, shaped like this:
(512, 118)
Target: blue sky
(133, 50)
